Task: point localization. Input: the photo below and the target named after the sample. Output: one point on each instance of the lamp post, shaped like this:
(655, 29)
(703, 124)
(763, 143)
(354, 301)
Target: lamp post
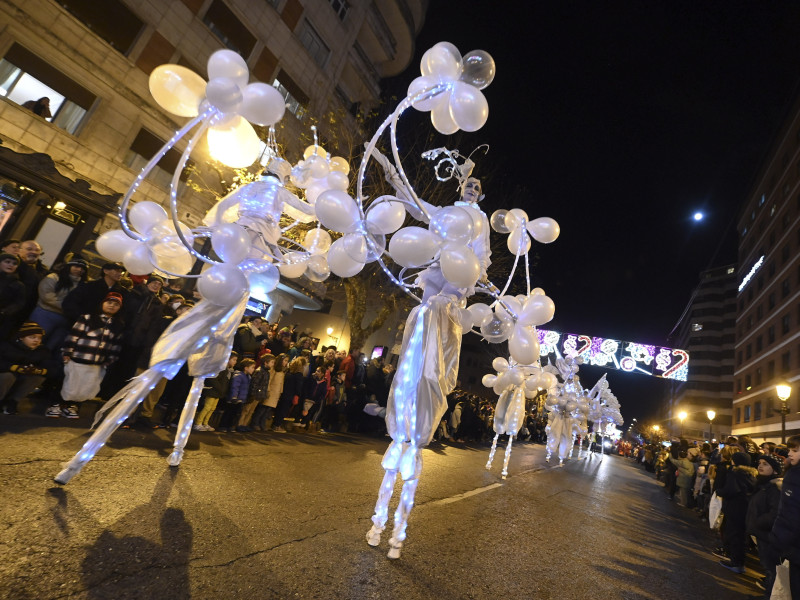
(710, 414)
(784, 391)
(682, 417)
(655, 432)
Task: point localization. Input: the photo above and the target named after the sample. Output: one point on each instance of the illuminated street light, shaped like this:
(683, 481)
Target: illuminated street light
(784, 391)
(682, 416)
(710, 414)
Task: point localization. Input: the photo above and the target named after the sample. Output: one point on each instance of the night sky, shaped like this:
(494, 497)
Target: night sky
(620, 120)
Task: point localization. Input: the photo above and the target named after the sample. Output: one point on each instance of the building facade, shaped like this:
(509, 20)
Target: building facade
(707, 332)
(768, 303)
(63, 172)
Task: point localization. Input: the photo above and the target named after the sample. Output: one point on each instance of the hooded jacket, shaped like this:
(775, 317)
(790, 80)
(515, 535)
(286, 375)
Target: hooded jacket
(785, 536)
(763, 507)
(740, 483)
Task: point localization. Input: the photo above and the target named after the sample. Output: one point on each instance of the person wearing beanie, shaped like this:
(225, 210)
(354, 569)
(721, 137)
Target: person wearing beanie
(740, 483)
(24, 363)
(12, 294)
(52, 291)
(92, 345)
(90, 294)
(761, 514)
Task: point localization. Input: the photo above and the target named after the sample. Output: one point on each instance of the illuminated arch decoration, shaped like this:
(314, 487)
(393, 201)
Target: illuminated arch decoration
(632, 357)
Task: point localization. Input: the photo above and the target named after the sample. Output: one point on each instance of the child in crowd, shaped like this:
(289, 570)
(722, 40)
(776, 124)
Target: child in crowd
(316, 391)
(276, 376)
(250, 403)
(237, 395)
(214, 389)
(91, 346)
(259, 392)
(335, 415)
(23, 366)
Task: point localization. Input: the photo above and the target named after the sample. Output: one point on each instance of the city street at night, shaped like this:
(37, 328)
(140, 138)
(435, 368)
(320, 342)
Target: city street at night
(285, 516)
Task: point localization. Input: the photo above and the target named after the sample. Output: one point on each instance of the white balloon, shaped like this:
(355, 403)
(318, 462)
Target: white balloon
(515, 377)
(337, 180)
(234, 143)
(412, 247)
(441, 62)
(137, 260)
(223, 285)
(489, 380)
(386, 217)
(317, 269)
(442, 120)
(478, 69)
(315, 188)
(177, 89)
(262, 104)
(537, 310)
(224, 95)
(523, 346)
(497, 329)
(500, 364)
(226, 63)
(547, 381)
(498, 221)
(317, 241)
(531, 383)
(420, 84)
(265, 281)
(337, 210)
(319, 167)
(515, 218)
(468, 107)
(518, 242)
(146, 215)
(294, 264)
(537, 292)
(452, 224)
(177, 263)
(340, 261)
(315, 150)
(465, 318)
(163, 239)
(459, 265)
(231, 242)
(481, 314)
(114, 244)
(340, 164)
(544, 230)
(513, 304)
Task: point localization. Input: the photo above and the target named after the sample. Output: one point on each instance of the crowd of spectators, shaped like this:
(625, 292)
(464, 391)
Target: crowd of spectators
(748, 493)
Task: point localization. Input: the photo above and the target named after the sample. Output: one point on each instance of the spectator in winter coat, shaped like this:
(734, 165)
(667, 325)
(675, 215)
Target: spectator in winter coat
(214, 389)
(292, 390)
(761, 514)
(31, 272)
(91, 293)
(785, 536)
(12, 294)
(316, 392)
(740, 483)
(52, 291)
(685, 473)
(237, 396)
(247, 339)
(259, 392)
(24, 363)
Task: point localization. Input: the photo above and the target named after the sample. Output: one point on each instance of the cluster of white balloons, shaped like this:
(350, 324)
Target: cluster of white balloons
(231, 138)
(515, 222)
(511, 374)
(162, 249)
(463, 105)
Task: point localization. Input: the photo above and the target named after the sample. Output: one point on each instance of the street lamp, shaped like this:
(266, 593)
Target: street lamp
(682, 416)
(655, 431)
(784, 391)
(710, 414)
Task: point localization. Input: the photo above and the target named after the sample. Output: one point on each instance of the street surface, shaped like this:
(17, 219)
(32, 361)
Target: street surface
(283, 516)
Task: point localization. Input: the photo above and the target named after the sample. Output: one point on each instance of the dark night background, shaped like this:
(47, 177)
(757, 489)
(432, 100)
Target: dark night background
(620, 120)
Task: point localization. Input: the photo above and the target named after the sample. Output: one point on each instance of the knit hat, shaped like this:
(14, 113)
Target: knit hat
(153, 277)
(741, 459)
(113, 297)
(7, 256)
(29, 328)
(78, 261)
(772, 462)
(113, 266)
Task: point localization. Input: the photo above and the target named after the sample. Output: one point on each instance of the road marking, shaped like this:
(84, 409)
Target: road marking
(465, 495)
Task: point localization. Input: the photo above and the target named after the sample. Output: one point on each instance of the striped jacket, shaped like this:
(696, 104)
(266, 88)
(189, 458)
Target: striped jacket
(92, 346)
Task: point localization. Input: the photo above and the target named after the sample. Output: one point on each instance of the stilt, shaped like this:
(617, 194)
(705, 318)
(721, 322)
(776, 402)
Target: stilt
(185, 423)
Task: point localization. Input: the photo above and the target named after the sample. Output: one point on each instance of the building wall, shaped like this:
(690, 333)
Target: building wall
(707, 332)
(768, 304)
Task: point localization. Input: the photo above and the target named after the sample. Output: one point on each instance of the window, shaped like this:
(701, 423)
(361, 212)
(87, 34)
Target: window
(738, 415)
(785, 288)
(757, 411)
(144, 147)
(697, 327)
(748, 351)
(739, 358)
(747, 414)
(749, 322)
(296, 99)
(771, 369)
(758, 376)
(759, 312)
(785, 254)
(771, 335)
(24, 76)
(340, 7)
(785, 325)
(785, 358)
(312, 42)
(229, 29)
(759, 344)
(738, 386)
(115, 23)
(748, 383)
(771, 301)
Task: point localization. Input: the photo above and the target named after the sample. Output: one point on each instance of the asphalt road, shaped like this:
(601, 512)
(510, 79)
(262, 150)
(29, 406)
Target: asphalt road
(284, 516)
